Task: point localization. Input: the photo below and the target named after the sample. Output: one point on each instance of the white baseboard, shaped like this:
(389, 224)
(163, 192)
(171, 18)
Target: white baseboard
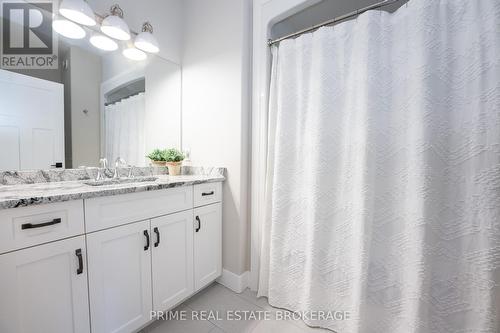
(236, 283)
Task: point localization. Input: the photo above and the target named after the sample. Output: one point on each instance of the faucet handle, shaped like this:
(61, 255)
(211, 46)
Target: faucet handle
(120, 162)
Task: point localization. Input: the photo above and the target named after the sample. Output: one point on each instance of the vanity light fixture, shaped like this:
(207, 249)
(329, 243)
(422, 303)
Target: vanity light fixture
(68, 29)
(78, 11)
(114, 26)
(103, 43)
(145, 40)
(134, 54)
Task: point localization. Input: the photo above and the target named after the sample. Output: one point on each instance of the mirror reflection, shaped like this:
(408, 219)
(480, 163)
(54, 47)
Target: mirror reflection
(95, 105)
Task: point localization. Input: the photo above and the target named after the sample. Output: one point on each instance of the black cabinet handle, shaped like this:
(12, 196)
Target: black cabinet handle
(80, 261)
(147, 240)
(157, 232)
(40, 225)
(207, 193)
(57, 165)
(198, 227)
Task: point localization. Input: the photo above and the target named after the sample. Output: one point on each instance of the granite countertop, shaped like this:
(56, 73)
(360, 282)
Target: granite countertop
(22, 195)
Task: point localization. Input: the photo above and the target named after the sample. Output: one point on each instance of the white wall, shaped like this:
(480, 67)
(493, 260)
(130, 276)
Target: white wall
(216, 89)
(163, 105)
(115, 64)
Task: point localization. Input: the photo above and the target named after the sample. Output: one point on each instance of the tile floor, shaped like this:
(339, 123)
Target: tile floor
(218, 298)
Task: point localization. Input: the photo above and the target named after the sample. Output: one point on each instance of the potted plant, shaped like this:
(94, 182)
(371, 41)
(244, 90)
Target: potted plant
(157, 157)
(173, 158)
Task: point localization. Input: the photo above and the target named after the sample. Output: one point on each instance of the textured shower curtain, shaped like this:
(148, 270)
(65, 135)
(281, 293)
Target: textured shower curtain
(383, 182)
(125, 131)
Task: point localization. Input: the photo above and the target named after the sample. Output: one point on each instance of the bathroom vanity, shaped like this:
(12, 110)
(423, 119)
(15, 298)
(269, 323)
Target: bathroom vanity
(78, 253)
(80, 258)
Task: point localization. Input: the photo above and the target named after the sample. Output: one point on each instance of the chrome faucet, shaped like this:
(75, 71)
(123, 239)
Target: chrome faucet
(130, 171)
(119, 163)
(101, 170)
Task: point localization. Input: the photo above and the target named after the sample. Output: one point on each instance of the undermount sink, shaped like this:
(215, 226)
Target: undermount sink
(116, 181)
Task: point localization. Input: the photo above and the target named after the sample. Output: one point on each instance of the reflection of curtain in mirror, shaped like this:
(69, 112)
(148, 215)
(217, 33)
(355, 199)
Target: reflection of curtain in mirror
(125, 130)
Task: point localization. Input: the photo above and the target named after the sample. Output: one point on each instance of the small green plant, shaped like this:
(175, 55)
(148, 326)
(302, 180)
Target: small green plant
(173, 155)
(157, 155)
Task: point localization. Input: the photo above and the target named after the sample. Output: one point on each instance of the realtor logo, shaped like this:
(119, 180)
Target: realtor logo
(28, 40)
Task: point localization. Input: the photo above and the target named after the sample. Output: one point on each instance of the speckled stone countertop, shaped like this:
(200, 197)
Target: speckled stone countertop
(22, 195)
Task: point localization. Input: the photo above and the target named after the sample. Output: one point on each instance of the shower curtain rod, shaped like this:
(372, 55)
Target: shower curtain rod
(122, 98)
(332, 21)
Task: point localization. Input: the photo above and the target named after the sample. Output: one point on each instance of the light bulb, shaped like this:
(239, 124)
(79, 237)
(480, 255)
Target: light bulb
(134, 54)
(104, 43)
(78, 11)
(115, 27)
(147, 42)
(68, 29)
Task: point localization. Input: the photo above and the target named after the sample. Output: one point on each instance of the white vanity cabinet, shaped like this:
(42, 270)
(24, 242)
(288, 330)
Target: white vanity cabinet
(119, 278)
(44, 289)
(43, 273)
(102, 264)
(138, 267)
(172, 257)
(207, 244)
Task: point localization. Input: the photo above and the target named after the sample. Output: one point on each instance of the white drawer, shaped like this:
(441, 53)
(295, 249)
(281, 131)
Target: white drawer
(107, 212)
(33, 225)
(207, 193)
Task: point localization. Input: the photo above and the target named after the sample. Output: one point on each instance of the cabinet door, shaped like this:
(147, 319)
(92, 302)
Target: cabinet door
(172, 251)
(120, 278)
(207, 244)
(44, 289)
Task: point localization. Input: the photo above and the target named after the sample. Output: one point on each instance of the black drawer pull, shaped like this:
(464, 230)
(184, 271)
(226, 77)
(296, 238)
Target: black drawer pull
(147, 240)
(157, 232)
(80, 261)
(207, 193)
(198, 227)
(40, 225)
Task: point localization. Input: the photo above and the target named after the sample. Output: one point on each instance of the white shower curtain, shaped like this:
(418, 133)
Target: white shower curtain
(383, 182)
(124, 130)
